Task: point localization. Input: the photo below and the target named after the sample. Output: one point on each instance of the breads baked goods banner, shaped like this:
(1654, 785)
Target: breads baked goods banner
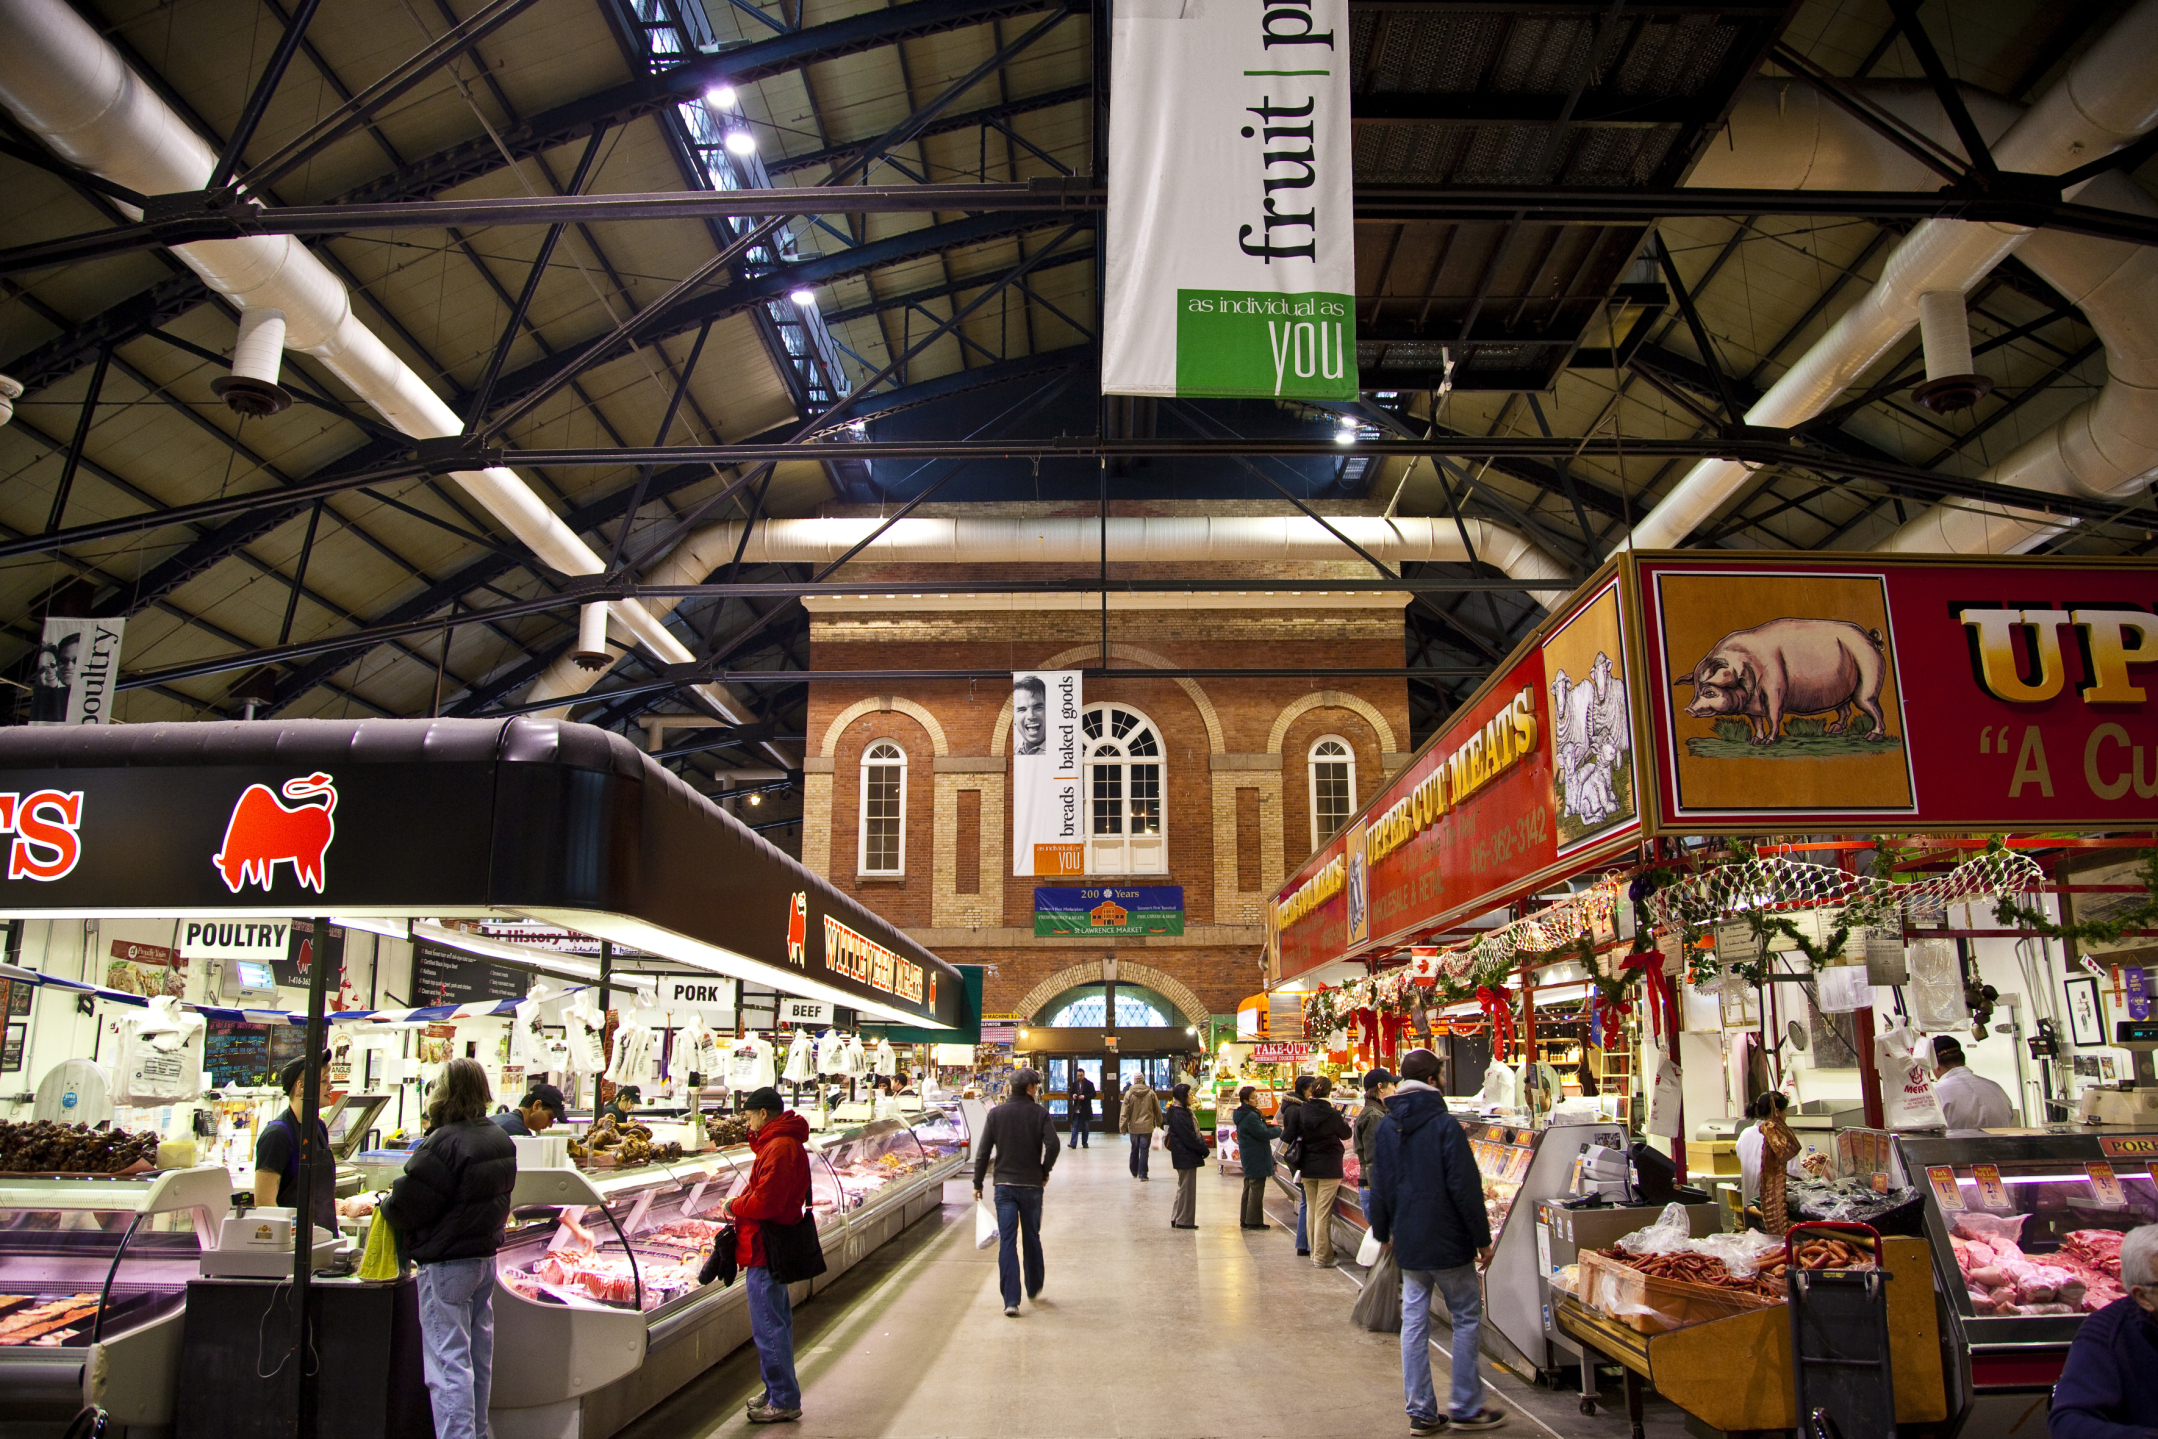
(1682, 693)
(1231, 266)
(1047, 836)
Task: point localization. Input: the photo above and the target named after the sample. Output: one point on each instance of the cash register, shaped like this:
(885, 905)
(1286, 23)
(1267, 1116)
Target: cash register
(2134, 1101)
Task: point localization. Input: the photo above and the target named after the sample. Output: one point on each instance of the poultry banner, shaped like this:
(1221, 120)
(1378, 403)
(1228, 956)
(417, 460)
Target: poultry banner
(1231, 259)
(1852, 692)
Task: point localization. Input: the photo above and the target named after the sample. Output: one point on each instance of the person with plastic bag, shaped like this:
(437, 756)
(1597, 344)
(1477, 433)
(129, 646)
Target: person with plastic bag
(449, 1208)
(1187, 1152)
(777, 1194)
(2109, 1387)
(1255, 1153)
(1427, 1209)
(1021, 1136)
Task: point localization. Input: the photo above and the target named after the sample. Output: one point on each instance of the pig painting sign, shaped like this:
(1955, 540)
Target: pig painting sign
(1928, 693)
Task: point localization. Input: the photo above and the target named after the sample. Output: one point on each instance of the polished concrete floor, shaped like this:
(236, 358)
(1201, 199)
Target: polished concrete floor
(1142, 1332)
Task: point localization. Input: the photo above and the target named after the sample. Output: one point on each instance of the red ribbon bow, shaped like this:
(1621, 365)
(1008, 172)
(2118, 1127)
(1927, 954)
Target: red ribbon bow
(1498, 1008)
(1650, 963)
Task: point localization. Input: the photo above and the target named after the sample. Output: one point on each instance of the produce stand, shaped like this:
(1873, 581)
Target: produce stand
(1734, 1375)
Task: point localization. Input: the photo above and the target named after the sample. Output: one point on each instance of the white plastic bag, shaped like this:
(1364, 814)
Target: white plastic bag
(1907, 1096)
(1936, 988)
(1672, 1233)
(1844, 988)
(1664, 1118)
(1367, 1253)
(985, 1224)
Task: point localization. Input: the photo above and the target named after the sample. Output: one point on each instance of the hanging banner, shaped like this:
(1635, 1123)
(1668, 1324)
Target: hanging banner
(1109, 910)
(1232, 255)
(78, 664)
(1046, 750)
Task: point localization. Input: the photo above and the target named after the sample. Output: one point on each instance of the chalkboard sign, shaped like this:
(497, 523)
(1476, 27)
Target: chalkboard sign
(447, 976)
(237, 1052)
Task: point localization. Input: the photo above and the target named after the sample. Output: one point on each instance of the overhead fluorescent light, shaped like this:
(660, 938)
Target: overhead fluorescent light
(388, 928)
(652, 939)
(741, 142)
(721, 96)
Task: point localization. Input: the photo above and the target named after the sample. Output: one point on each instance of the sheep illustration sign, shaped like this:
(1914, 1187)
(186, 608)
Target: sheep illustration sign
(1231, 252)
(1915, 692)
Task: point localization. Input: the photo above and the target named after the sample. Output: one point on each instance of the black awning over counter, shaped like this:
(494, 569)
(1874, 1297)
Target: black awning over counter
(422, 818)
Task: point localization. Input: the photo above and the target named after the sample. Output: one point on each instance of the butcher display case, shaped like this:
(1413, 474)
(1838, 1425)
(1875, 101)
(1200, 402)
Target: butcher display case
(598, 1313)
(1521, 1165)
(93, 1263)
(2026, 1232)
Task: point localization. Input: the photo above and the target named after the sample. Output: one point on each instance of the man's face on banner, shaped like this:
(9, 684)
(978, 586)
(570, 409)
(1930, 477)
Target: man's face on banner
(1030, 716)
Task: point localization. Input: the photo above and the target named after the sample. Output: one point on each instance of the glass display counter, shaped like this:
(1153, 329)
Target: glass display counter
(597, 1277)
(2026, 1231)
(101, 1261)
(1521, 1165)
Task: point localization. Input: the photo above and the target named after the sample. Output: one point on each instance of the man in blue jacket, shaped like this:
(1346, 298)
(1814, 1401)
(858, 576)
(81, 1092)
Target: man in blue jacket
(2109, 1387)
(1427, 1207)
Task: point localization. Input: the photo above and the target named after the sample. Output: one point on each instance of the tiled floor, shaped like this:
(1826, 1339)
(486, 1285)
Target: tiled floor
(1142, 1332)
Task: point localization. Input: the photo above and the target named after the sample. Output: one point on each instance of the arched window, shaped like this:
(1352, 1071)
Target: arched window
(1332, 762)
(1091, 1011)
(884, 809)
(1124, 792)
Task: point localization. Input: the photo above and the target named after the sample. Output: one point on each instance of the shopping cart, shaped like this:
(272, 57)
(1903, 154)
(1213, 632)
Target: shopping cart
(1840, 1375)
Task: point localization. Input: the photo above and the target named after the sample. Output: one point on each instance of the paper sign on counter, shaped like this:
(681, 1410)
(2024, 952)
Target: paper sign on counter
(1992, 1194)
(1946, 1192)
(2105, 1185)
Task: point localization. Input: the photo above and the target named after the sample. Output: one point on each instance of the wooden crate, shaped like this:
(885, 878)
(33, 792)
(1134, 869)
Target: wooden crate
(1611, 1288)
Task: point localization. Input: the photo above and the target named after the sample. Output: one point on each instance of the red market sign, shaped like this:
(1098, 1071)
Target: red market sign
(1844, 692)
(1283, 1053)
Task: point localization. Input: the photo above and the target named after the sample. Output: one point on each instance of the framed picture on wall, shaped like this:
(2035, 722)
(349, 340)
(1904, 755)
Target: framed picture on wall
(11, 1048)
(2086, 1012)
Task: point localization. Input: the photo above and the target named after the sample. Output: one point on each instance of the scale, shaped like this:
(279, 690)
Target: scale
(2135, 1101)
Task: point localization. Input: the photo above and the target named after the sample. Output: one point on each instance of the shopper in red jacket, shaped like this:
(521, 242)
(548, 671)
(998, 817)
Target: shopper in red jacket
(778, 1192)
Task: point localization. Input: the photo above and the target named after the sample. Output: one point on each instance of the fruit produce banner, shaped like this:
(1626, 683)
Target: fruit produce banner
(1860, 692)
(1231, 265)
(1047, 751)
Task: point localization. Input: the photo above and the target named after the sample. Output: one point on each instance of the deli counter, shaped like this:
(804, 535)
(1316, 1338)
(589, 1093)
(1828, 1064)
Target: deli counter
(598, 1313)
(2025, 1230)
(1520, 1165)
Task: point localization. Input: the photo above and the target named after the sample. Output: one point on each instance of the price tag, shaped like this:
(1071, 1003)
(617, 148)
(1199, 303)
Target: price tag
(2105, 1185)
(1946, 1192)
(1992, 1194)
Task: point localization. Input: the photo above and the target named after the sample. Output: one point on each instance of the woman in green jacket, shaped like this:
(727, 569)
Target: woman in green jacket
(1255, 1149)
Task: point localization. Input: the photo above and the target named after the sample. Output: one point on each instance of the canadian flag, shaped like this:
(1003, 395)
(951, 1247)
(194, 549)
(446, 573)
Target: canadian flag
(1424, 966)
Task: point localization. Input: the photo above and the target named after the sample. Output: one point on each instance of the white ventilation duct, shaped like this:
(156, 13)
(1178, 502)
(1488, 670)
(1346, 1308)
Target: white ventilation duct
(1944, 331)
(1784, 136)
(1078, 541)
(258, 359)
(63, 81)
(10, 392)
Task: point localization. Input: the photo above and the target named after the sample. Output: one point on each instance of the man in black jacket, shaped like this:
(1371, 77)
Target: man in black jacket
(1023, 1137)
(448, 1209)
(1324, 1133)
(1427, 1207)
(1082, 1108)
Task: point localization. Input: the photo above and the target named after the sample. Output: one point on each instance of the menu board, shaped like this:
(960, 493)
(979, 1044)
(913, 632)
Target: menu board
(237, 1052)
(447, 976)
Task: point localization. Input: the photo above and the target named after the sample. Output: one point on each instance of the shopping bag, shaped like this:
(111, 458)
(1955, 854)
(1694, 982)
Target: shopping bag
(378, 1262)
(985, 1224)
(1907, 1097)
(1367, 1253)
(1664, 1099)
(1378, 1308)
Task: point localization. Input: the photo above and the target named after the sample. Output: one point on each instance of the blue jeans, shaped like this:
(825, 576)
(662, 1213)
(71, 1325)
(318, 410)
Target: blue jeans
(771, 1325)
(1142, 1145)
(1080, 1123)
(1464, 1298)
(1303, 1215)
(457, 1338)
(1019, 1218)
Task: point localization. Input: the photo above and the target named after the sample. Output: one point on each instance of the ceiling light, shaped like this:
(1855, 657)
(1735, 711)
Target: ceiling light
(721, 96)
(741, 142)
(804, 297)
(1346, 435)
(756, 799)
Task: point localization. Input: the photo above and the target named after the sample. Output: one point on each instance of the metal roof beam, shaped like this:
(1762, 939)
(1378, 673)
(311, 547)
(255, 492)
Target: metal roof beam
(949, 124)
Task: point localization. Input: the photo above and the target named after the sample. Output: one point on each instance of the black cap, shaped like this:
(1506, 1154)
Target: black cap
(766, 1099)
(1377, 1077)
(289, 1077)
(547, 1097)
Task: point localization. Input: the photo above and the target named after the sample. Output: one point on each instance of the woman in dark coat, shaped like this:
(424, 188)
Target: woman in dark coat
(1255, 1149)
(1323, 1130)
(1187, 1151)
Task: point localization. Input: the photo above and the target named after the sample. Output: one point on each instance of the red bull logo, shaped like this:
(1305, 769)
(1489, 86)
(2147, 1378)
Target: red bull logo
(263, 833)
(798, 929)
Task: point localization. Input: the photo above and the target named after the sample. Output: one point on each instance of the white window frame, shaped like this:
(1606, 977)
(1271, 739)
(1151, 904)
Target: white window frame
(1312, 761)
(861, 815)
(1153, 847)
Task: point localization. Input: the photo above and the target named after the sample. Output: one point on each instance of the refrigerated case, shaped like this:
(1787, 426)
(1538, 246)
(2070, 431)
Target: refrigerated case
(2060, 1197)
(598, 1313)
(1521, 1165)
(94, 1272)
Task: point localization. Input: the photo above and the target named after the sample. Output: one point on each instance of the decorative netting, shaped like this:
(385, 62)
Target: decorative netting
(1778, 885)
